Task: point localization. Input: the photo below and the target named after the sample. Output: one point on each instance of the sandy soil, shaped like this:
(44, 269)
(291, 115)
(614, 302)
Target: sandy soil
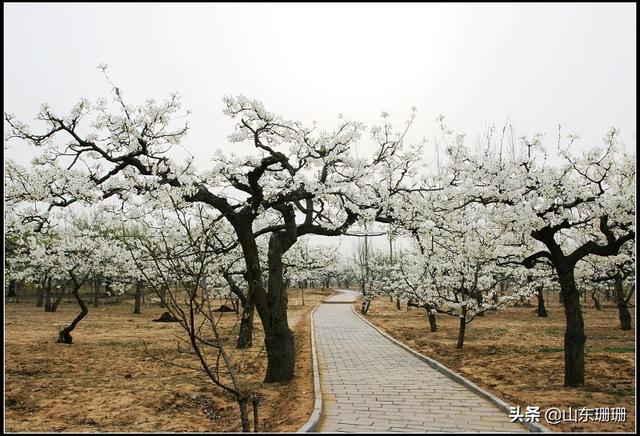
(519, 357)
(110, 378)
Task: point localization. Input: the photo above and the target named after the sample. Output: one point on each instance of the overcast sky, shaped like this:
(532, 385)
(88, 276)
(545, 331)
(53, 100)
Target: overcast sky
(541, 65)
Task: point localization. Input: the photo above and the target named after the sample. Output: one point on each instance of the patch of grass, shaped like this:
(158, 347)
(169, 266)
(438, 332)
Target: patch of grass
(610, 349)
(616, 391)
(623, 392)
(122, 344)
(545, 349)
(487, 330)
(516, 350)
(553, 331)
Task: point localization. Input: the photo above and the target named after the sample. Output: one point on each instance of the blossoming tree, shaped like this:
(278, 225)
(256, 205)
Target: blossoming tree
(302, 179)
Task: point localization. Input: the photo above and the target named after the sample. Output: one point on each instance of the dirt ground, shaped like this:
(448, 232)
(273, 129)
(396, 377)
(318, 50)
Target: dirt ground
(114, 377)
(519, 356)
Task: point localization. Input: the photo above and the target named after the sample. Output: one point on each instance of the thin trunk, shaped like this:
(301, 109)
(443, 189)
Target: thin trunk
(163, 297)
(256, 421)
(235, 305)
(65, 334)
(432, 320)
(96, 292)
(138, 296)
(302, 294)
(365, 307)
(58, 300)
(47, 297)
(397, 303)
(461, 331)
(542, 310)
(623, 305)
(574, 337)
(480, 299)
(40, 295)
(13, 286)
(244, 414)
(596, 300)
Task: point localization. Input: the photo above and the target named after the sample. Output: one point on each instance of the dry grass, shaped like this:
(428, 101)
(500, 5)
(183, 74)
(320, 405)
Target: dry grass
(107, 381)
(519, 357)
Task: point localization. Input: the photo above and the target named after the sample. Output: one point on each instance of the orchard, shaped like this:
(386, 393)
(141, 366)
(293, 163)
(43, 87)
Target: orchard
(487, 227)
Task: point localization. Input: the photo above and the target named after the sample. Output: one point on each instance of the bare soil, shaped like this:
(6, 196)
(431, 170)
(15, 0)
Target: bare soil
(519, 357)
(119, 375)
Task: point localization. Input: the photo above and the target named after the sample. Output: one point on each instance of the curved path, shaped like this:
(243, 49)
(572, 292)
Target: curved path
(369, 383)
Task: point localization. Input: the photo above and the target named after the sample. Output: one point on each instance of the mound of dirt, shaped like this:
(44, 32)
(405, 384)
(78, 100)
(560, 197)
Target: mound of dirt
(224, 308)
(166, 317)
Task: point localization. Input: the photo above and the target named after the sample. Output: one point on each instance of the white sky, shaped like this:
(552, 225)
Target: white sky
(540, 64)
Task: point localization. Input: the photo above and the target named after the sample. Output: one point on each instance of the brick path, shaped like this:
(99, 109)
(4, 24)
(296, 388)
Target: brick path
(370, 384)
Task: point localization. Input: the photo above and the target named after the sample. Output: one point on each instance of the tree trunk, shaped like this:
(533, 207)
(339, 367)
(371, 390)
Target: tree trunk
(256, 420)
(574, 337)
(245, 337)
(302, 295)
(623, 306)
(625, 316)
(596, 301)
(13, 286)
(542, 310)
(278, 338)
(58, 300)
(65, 334)
(47, 297)
(138, 296)
(480, 299)
(271, 305)
(432, 320)
(397, 303)
(244, 414)
(96, 293)
(19, 289)
(40, 294)
(365, 307)
(163, 297)
(461, 331)
(235, 305)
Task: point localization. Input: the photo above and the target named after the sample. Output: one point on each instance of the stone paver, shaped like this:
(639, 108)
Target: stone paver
(370, 384)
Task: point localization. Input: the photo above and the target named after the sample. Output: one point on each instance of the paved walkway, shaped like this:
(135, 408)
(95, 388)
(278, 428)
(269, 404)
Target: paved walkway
(370, 384)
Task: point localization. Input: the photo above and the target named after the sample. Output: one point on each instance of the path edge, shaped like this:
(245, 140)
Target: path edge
(314, 419)
(532, 426)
